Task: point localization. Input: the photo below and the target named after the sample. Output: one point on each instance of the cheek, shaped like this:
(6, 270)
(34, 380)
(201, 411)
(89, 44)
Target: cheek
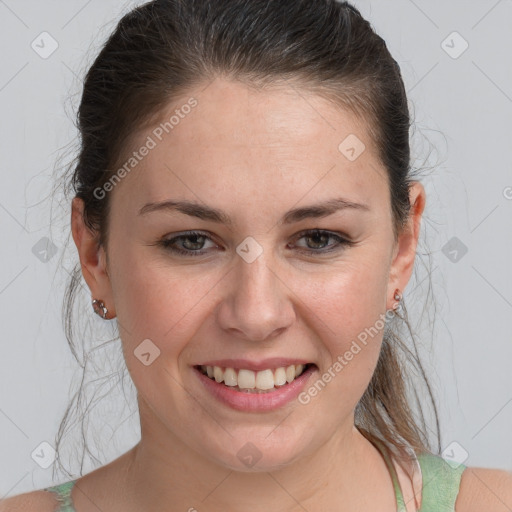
(347, 300)
(347, 311)
(165, 305)
(159, 302)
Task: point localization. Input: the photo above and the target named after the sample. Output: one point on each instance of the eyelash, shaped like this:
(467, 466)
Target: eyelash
(167, 243)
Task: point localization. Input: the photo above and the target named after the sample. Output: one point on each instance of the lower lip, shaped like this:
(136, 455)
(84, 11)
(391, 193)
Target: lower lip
(256, 402)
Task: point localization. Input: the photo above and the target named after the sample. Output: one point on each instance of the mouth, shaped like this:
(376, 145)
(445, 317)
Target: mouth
(257, 382)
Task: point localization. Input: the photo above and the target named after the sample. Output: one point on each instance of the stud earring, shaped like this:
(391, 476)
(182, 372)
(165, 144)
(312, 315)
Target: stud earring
(398, 297)
(100, 308)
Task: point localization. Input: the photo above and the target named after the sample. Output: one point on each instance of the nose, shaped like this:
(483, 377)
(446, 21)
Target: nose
(256, 305)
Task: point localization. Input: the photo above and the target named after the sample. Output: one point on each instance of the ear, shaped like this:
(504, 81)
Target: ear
(92, 258)
(405, 249)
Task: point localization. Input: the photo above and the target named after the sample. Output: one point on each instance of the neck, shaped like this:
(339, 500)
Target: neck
(163, 470)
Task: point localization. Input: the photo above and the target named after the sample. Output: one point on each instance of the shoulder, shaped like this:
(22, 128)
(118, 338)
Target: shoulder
(485, 489)
(37, 501)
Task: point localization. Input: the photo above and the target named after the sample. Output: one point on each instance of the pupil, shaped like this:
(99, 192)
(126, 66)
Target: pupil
(194, 237)
(318, 235)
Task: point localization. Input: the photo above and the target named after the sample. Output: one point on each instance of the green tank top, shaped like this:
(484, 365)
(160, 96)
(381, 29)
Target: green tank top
(441, 483)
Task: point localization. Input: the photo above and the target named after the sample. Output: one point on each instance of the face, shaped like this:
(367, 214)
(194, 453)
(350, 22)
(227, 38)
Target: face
(252, 285)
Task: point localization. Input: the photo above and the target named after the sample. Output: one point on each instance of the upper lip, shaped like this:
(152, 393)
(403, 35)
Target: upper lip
(274, 362)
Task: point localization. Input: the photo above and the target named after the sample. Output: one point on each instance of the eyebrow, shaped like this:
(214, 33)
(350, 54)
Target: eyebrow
(204, 212)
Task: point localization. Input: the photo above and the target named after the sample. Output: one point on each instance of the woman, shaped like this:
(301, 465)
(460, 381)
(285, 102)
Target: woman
(245, 210)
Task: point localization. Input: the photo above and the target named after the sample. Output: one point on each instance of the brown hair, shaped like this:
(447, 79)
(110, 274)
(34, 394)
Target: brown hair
(164, 47)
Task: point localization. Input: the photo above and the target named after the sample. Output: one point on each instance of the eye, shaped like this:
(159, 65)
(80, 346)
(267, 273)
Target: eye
(192, 243)
(197, 239)
(320, 238)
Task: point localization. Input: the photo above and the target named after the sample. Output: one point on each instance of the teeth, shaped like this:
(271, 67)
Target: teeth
(230, 377)
(218, 374)
(280, 377)
(290, 373)
(265, 379)
(248, 379)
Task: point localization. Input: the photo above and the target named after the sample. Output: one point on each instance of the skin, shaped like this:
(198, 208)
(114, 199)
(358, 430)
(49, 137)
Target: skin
(255, 154)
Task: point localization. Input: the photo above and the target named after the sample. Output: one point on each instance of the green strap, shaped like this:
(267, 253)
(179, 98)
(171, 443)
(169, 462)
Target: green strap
(441, 483)
(391, 467)
(63, 492)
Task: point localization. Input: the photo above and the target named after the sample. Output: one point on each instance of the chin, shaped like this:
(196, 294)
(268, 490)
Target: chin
(260, 455)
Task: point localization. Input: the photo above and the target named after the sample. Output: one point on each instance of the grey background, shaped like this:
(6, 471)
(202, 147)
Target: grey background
(462, 107)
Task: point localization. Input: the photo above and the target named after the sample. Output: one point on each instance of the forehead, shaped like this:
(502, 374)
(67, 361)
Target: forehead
(233, 114)
(282, 142)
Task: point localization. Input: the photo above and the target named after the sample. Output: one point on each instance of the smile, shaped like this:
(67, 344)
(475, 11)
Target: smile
(251, 381)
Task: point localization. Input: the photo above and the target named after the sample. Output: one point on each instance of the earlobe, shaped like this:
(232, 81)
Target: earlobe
(405, 250)
(92, 256)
